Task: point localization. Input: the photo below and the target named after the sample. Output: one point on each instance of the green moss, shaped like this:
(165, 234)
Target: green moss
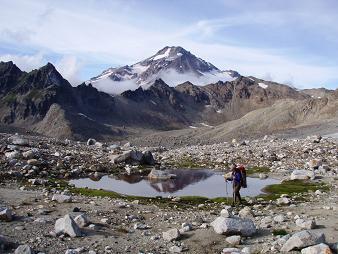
(276, 232)
(291, 187)
(96, 193)
(257, 170)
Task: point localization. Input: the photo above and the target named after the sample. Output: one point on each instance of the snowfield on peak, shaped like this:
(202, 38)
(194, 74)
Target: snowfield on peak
(165, 54)
(174, 65)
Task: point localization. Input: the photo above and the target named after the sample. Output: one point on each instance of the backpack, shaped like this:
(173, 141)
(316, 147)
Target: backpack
(243, 173)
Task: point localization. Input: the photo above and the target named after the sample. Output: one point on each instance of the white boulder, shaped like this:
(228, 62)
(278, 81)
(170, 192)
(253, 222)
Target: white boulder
(234, 226)
(303, 239)
(67, 225)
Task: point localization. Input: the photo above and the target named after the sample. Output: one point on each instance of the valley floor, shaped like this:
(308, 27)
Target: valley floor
(33, 170)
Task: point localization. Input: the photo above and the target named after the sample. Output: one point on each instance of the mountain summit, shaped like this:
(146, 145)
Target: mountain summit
(174, 65)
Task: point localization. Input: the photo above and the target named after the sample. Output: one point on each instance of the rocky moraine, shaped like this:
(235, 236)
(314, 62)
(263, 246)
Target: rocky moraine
(40, 212)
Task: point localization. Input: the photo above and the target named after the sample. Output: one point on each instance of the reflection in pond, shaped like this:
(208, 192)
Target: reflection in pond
(205, 183)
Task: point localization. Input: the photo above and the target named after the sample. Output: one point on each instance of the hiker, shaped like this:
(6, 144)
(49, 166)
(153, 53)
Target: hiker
(236, 184)
(238, 178)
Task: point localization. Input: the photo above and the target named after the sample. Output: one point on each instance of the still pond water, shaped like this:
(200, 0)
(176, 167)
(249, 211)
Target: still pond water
(206, 183)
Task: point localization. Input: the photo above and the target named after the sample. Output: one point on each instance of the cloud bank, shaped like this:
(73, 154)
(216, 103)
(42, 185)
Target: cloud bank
(256, 38)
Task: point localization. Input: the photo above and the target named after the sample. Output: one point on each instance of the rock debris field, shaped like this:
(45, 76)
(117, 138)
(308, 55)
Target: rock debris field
(41, 213)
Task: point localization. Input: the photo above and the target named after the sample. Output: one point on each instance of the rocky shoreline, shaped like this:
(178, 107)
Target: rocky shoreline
(40, 213)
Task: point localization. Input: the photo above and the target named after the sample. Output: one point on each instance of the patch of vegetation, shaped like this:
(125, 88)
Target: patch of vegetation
(257, 170)
(9, 98)
(187, 162)
(276, 232)
(96, 193)
(291, 187)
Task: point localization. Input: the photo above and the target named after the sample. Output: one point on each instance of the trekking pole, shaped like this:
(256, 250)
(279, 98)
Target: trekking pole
(226, 187)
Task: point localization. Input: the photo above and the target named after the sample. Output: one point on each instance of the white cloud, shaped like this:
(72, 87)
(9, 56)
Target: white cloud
(69, 67)
(115, 87)
(25, 62)
(120, 34)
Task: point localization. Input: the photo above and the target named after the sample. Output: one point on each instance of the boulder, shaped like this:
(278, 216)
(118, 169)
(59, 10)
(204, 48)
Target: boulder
(67, 225)
(263, 176)
(148, 158)
(91, 142)
(234, 226)
(233, 240)
(160, 175)
(126, 157)
(279, 218)
(171, 235)
(82, 220)
(24, 249)
(231, 251)
(226, 212)
(283, 201)
(31, 154)
(246, 212)
(314, 164)
(321, 248)
(303, 239)
(6, 214)
(302, 175)
(13, 155)
(175, 249)
(305, 224)
(18, 140)
(60, 198)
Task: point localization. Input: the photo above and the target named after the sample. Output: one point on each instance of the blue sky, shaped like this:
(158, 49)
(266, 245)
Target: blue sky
(292, 42)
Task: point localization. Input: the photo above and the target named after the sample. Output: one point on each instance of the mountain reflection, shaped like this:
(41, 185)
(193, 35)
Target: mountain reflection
(182, 180)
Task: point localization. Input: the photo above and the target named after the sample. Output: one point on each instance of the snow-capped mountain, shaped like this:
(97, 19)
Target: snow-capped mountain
(174, 65)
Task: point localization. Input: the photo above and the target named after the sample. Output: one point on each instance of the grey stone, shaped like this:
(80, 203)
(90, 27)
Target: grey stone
(24, 249)
(17, 140)
(13, 155)
(175, 249)
(321, 248)
(233, 240)
(81, 220)
(60, 198)
(231, 251)
(171, 235)
(305, 224)
(303, 239)
(234, 226)
(67, 225)
(91, 142)
(6, 214)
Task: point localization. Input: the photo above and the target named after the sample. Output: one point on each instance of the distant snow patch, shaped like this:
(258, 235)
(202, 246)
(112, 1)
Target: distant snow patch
(179, 54)
(192, 127)
(80, 114)
(208, 106)
(165, 54)
(262, 85)
(251, 79)
(206, 125)
(219, 111)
